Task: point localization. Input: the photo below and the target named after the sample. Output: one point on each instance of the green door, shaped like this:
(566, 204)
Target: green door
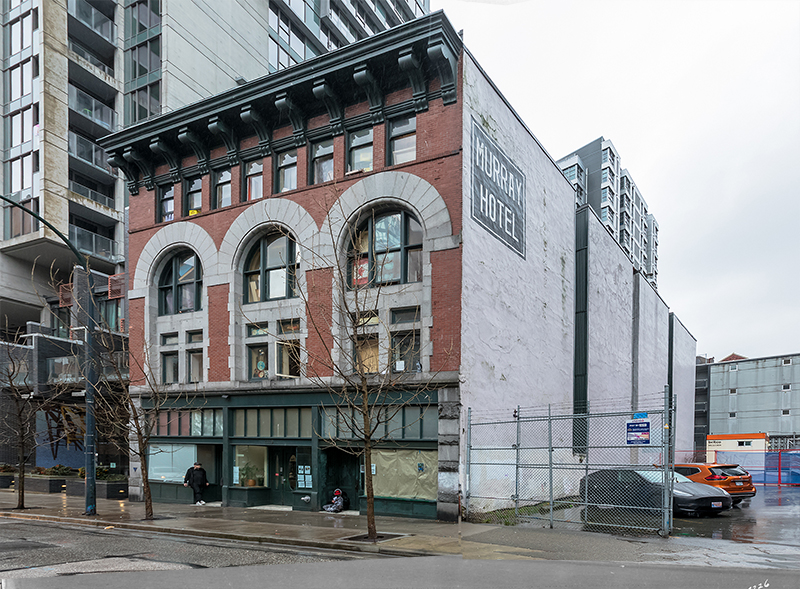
(283, 466)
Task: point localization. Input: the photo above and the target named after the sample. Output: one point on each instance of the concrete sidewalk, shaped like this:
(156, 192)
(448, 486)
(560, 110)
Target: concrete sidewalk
(414, 537)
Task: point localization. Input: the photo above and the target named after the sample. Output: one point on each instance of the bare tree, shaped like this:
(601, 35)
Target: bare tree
(370, 371)
(19, 407)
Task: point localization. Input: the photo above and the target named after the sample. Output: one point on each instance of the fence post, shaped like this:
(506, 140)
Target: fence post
(469, 459)
(666, 436)
(516, 468)
(550, 458)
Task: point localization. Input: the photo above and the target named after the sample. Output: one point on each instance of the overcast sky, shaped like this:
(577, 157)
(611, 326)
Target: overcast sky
(702, 100)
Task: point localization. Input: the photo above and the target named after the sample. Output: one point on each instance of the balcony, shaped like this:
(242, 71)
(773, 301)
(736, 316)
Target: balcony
(93, 19)
(91, 157)
(93, 244)
(63, 370)
(84, 53)
(91, 194)
(92, 109)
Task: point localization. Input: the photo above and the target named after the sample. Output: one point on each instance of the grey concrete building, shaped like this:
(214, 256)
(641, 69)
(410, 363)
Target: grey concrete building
(601, 182)
(750, 395)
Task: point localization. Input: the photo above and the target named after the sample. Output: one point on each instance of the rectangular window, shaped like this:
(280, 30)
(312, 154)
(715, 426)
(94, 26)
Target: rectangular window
(222, 189)
(250, 466)
(734, 367)
(406, 315)
(287, 359)
(254, 185)
(286, 326)
(367, 354)
(258, 362)
(167, 462)
(169, 339)
(359, 153)
(403, 140)
(787, 387)
(255, 329)
(322, 162)
(194, 365)
(405, 352)
(287, 171)
(166, 203)
(745, 443)
(193, 197)
(363, 318)
(785, 412)
(732, 414)
(169, 365)
(787, 361)
(733, 391)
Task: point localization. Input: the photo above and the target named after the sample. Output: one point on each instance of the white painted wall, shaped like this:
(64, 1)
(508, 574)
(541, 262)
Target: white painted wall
(609, 298)
(517, 314)
(207, 44)
(653, 342)
(684, 352)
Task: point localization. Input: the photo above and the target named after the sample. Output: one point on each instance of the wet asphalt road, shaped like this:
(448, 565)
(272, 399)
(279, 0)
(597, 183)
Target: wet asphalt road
(34, 549)
(772, 516)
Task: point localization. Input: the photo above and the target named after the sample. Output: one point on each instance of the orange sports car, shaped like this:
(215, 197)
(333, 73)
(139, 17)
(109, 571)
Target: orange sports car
(731, 477)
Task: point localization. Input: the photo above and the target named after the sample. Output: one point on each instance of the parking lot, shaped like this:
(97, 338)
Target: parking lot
(772, 516)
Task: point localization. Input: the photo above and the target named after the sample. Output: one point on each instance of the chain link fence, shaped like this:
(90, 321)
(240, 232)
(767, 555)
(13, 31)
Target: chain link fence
(603, 471)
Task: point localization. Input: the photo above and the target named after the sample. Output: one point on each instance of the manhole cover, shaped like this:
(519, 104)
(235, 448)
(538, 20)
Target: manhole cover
(382, 537)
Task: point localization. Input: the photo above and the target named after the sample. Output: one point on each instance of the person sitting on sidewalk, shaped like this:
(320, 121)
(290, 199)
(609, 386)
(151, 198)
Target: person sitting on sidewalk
(197, 480)
(337, 503)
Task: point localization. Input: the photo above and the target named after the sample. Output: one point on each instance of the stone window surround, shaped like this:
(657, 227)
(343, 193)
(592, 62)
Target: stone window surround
(222, 266)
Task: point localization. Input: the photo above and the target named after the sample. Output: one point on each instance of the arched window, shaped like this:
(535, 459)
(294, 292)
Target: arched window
(386, 249)
(181, 284)
(270, 269)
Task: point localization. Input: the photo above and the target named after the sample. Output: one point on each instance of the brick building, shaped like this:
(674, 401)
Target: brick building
(383, 185)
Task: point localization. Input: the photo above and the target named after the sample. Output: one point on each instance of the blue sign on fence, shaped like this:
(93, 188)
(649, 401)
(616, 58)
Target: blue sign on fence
(638, 433)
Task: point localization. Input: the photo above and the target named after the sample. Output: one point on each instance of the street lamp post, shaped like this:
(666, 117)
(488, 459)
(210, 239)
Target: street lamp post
(91, 373)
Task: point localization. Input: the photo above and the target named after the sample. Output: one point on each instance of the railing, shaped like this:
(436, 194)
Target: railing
(93, 244)
(91, 108)
(92, 18)
(92, 194)
(64, 369)
(86, 150)
(84, 53)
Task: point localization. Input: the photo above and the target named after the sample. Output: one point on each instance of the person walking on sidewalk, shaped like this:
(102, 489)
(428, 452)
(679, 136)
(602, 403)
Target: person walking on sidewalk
(196, 479)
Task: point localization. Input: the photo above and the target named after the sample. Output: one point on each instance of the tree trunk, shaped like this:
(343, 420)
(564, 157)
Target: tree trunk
(148, 498)
(372, 532)
(21, 477)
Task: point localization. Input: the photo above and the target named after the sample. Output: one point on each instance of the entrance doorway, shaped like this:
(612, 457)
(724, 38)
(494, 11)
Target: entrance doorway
(342, 472)
(283, 475)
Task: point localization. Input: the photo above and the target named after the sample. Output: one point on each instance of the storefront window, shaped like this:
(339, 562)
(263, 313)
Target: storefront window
(167, 463)
(407, 474)
(250, 466)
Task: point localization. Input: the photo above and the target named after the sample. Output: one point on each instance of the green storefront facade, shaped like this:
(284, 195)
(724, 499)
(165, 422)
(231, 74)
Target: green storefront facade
(292, 450)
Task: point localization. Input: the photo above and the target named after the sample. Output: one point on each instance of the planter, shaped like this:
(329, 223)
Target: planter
(42, 484)
(103, 489)
(6, 479)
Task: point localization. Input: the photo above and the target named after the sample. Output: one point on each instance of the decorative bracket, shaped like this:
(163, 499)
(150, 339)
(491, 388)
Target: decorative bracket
(324, 92)
(412, 66)
(251, 116)
(447, 65)
(133, 156)
(190, 138)
(364, 78)
(286, 105)
(221, 129)
(131, 172)
(160, 147)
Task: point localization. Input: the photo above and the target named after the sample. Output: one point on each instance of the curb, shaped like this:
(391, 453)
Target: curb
(342, 546)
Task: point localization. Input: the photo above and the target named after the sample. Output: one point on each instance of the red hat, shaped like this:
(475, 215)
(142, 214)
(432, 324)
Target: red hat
(337, 492)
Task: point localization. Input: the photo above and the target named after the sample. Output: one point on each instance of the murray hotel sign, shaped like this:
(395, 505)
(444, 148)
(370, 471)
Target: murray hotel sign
(498, 191)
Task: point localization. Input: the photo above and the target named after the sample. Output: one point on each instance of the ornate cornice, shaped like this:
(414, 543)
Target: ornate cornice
(364, 78)
(285, 104)
(160, 147)
(323, 91)
(198, 146)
